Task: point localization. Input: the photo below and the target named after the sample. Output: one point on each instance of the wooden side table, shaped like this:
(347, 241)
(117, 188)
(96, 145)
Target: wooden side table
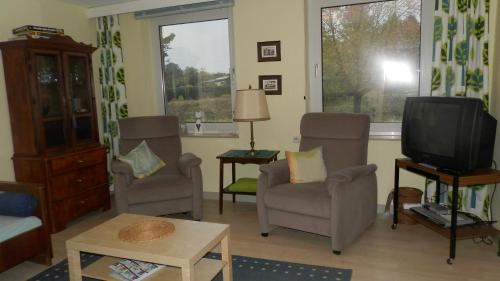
(455, 232)
(241, 157)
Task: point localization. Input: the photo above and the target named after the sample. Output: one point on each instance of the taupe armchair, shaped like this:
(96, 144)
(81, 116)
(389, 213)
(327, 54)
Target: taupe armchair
(175, 188)
(342, 206)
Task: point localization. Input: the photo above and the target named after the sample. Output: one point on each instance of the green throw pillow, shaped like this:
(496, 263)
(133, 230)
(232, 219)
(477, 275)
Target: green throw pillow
(142, 160)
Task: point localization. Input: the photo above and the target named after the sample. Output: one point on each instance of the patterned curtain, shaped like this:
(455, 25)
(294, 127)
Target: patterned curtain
(112, 80)
(460, 68)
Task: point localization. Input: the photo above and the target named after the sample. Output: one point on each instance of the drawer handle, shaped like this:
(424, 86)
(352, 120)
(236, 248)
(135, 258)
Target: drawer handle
(79, 180)
(80, 161)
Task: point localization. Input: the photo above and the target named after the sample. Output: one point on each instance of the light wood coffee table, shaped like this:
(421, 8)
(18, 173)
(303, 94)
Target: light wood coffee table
(182, 250)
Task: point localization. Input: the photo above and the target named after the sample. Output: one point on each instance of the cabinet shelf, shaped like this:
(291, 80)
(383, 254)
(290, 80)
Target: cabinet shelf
(463, 232)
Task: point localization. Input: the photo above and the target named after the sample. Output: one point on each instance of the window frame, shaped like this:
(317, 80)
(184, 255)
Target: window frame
(314, 58)
(222, 129)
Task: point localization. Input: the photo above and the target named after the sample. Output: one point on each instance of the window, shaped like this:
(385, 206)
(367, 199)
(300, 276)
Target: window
(195, 58)
(367, 57)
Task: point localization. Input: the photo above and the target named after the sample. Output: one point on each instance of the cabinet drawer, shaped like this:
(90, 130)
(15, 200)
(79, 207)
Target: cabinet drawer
(88, 201)
(76, 161)
(77, 181)
(73, 207)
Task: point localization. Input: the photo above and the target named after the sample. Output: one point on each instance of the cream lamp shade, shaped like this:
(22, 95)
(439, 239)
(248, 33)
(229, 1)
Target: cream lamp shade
(250, 105)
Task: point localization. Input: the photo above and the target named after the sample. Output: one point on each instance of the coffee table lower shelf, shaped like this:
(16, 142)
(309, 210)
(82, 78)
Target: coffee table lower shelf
(463, 232)
(205, 269)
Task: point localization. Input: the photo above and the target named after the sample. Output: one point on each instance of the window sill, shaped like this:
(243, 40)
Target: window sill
(385, 137)
(211, 135)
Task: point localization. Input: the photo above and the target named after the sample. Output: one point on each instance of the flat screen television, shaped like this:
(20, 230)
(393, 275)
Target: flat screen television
(450, 133)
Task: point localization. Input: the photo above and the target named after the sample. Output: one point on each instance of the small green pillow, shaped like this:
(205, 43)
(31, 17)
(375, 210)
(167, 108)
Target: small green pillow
(142, 160)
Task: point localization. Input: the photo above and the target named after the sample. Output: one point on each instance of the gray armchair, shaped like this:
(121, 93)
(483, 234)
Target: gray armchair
(175, 188)
(342, 206)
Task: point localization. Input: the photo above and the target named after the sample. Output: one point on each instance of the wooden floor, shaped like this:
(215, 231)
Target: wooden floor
(409, 253)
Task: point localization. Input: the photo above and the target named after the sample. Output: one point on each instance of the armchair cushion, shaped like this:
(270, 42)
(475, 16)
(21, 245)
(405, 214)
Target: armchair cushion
(17, 204)
(159, 187)
(13, 226)
(306, 166)
(304, 198)
(142, 160)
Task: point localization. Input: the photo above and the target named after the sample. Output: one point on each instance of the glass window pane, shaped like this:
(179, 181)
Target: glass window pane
(83, 128)
(47, 74)
(80, 94)
(371, 57)
(196, 63)
(54, 133)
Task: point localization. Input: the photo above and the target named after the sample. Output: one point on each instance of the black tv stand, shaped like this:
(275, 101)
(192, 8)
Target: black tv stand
(476, 177)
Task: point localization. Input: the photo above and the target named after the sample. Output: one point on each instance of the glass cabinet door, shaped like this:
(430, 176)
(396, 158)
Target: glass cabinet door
(48, 80)
(80, 98)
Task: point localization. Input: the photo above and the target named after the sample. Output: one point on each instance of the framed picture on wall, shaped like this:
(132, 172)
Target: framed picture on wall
(269, 51)
(271, 84)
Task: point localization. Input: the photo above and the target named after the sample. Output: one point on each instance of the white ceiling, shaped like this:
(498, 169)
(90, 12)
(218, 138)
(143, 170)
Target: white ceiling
(96, 3)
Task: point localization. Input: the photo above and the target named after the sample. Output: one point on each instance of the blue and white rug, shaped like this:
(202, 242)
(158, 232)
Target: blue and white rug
(244, 269)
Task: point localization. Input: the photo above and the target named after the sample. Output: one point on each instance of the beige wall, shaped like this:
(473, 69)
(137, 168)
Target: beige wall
(273, 23)
(15, 13)
(280, 20)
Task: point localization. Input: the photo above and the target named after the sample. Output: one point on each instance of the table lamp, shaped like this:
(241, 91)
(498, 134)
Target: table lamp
(250, 106)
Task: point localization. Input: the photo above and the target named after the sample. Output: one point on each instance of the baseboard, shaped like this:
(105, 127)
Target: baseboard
(380, 208)
(252, 199)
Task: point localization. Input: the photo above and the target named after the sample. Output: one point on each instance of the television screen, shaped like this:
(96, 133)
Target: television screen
(448, 132)
(432, 127)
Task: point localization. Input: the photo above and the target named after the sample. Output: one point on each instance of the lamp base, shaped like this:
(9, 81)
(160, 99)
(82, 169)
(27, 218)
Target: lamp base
(252, 143)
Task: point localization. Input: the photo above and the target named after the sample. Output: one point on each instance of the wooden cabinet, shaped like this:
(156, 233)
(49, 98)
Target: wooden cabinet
(52, 109)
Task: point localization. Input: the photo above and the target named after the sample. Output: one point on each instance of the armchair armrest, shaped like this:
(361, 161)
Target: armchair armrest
(189, 165)
(37, 190)
(188, 161)
(353, 194)
(272, 174)
(123, 177)
(277, 172)
(119, 167)
(350, 174)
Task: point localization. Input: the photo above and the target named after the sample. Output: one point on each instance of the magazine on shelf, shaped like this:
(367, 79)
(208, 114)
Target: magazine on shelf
(438, 208)
(30, 28)
(442, 219)
(132, 270)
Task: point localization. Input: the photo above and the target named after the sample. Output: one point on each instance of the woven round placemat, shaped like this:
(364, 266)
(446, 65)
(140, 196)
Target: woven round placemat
(145, 231)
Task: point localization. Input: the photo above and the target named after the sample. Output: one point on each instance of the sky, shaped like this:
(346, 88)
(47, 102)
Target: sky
(200, 45)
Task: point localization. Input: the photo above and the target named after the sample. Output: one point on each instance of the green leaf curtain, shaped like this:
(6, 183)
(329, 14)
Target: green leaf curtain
(460, 50)
(112, 81)
(460, 68)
